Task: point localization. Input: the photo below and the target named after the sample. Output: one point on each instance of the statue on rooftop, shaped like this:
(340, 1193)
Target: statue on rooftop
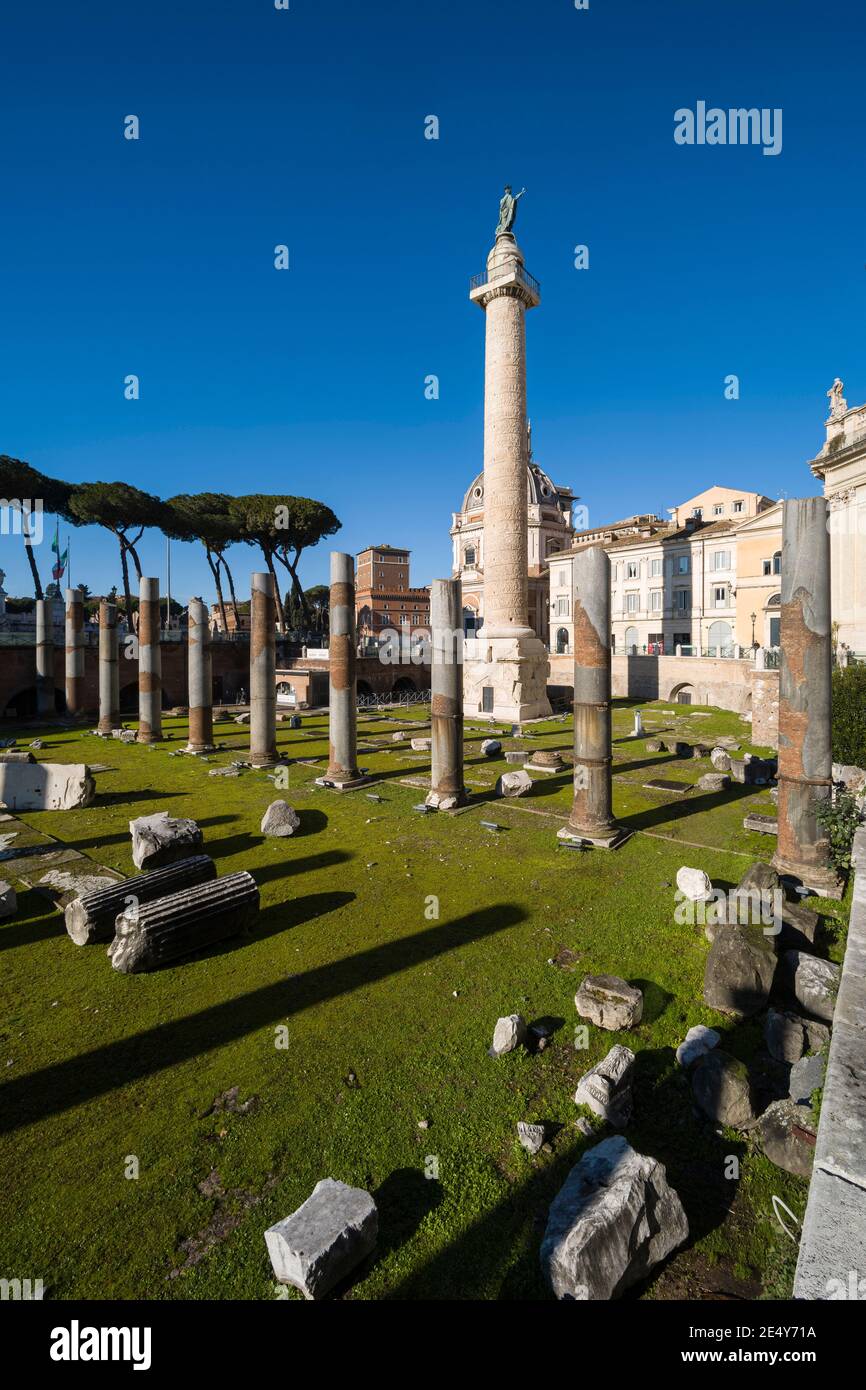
(838, 403)
(508, 210)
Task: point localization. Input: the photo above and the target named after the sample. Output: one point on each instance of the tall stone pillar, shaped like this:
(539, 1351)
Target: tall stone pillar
(149, 663)
(263, 671)
(45, 707)
(199, 679)
(446, 688)
(109, 673)
(74, 652)
(805, 749)
(342, 757)
(591, 815)
(505, 674)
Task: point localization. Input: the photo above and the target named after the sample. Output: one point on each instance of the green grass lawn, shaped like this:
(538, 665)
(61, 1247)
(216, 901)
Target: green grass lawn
(364, 1002)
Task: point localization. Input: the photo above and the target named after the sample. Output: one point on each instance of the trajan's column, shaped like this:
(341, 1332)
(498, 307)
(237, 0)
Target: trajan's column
(505, 665)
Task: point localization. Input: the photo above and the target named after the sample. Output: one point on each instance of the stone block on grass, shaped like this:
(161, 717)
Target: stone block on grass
(162, 839)
(609, 1002)
(613, 1220)
(325, 1239)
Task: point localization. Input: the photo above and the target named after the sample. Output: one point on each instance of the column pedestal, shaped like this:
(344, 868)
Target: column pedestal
(505, 678)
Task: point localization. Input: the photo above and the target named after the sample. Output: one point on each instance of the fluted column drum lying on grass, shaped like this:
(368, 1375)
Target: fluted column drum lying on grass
(93, 917)
(109, 674)
(44, 659)
(74, 652)
(149, 663)
(155, 933)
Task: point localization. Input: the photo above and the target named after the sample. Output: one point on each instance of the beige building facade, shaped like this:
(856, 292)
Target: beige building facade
(675, 587)
(841, 468)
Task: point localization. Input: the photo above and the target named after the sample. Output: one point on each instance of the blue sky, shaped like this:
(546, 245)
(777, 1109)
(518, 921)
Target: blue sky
(306, 127)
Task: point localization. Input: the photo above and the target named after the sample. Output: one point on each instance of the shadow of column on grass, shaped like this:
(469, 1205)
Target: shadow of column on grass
(75, 1080)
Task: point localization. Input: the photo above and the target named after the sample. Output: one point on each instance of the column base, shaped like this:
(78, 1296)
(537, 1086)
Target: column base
(446, 801)
(505, 679)
(265, 760)
(344, 784)
(824, 881)
(598, 838)
(200, 748)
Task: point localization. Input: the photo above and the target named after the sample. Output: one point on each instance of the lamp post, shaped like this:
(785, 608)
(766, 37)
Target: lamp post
(754, 643)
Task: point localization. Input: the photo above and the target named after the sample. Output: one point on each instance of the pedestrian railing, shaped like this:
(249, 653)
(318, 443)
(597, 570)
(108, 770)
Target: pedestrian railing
(403, 698)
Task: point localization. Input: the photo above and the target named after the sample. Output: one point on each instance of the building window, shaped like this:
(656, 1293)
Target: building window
(631, 603)
(469, 557)
(720, 560)
(720, 596)
(767, 566)
(561, 640)
(697, 513)
(631, 570)
(631, 639)
(777, 562)
(656, 603)
(656, 568)
(562, 608)
(738, 507)
(681, 564)
(719, 639)
(684, 600)
(719, 509)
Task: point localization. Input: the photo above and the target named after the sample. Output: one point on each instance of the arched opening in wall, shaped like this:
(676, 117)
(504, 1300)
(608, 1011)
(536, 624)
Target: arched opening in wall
(286, 693)
(681, 694)
(631, 641)
(720, 639)
(404, 686)
(364, 688)
(471, 621)
(22, 704)
(129, 698)
(561, 640)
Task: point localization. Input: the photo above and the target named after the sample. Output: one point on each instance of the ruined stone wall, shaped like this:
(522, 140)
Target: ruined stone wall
(709, 680)
(830, 1262)
(765, 708)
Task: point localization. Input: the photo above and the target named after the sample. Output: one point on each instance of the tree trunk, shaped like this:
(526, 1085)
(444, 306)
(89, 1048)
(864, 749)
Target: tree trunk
(127, 595)
(219, 588)
(224, 562)
(31, 559)
(296, 585)
(281, 617)
(130, 545)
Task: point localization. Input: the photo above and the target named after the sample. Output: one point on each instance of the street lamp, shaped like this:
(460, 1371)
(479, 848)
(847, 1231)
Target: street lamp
(754, 643)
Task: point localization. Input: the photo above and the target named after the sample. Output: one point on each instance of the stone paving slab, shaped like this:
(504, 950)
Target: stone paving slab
(40, 860)
(664, 784)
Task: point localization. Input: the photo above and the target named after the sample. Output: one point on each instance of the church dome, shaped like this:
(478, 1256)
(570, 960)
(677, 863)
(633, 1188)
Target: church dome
(540, 488)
